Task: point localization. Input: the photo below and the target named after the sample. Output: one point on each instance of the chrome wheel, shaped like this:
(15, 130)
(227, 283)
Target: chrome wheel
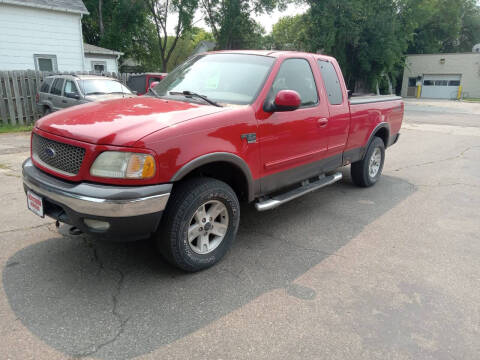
(208, 227)
(375, 162)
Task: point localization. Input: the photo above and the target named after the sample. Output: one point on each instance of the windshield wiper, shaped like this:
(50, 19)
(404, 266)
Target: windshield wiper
(189, 93)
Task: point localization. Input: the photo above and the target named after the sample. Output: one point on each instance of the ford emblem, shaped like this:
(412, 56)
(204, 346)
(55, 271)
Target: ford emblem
(50, 152)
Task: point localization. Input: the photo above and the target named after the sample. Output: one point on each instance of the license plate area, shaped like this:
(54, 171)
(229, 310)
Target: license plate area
(35, 203)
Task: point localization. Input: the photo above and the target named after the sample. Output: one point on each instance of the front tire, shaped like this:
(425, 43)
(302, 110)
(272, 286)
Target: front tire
(367, 171)
(199, 224)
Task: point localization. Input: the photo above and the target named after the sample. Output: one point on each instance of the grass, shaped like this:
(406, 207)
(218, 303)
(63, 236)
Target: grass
(472, 100)
(14, 128)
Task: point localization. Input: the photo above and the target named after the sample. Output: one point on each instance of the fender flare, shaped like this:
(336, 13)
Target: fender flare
(219, 157)
(382, 125)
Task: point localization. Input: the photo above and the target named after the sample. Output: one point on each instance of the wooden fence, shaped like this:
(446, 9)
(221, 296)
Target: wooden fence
(18, 90)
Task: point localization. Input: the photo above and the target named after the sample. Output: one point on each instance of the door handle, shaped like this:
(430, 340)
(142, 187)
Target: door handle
(322, 122)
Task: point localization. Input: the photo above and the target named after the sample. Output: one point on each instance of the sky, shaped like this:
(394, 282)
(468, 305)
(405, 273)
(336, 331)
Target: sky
(265, 20)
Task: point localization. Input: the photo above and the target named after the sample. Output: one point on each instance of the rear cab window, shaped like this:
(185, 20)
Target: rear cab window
(331, 81)
(46, 85)
(57, 87)
(296, 74)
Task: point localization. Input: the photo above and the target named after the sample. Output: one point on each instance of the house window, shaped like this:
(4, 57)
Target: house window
(45, 62)
(99, 66)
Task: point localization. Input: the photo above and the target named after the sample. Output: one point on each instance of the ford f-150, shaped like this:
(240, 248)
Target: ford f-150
(263, 127)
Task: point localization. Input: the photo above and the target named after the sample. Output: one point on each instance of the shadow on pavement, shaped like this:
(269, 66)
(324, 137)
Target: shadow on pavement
(117, 301)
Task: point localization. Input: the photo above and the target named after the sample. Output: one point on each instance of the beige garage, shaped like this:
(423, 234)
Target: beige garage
(442, 76)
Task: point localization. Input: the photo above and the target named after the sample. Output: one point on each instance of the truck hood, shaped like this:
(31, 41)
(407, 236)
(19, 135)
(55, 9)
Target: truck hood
(121, 122)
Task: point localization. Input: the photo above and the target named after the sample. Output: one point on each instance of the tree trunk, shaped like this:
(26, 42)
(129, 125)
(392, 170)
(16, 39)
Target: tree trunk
(100, 18)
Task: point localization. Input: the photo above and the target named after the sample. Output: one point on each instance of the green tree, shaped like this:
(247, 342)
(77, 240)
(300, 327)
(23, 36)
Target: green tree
(368, 37)
(115, 24)
(290, 33)
(231, 22)
(160, 12)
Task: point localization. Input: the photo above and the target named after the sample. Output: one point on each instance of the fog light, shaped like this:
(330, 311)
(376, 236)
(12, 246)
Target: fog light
(97, 224)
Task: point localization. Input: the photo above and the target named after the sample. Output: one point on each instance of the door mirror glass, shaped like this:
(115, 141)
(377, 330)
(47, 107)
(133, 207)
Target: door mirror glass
(285, 100)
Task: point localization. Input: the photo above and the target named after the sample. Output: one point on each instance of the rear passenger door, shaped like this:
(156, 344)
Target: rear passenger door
(339, 121)
(56, 93)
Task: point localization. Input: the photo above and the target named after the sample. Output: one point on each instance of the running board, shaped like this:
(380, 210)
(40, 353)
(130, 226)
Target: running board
(272, 203)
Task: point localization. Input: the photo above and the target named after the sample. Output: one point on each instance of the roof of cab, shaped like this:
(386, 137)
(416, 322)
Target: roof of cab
(271, 53)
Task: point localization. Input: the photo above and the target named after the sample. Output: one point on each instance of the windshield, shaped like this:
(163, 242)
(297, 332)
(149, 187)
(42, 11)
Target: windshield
(223, 78)
(102, 86)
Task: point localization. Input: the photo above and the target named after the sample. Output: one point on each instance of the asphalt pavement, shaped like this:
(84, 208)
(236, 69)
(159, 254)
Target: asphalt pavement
(388, 272)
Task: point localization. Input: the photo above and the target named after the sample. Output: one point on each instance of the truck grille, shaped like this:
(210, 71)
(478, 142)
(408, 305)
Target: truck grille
(63, 158)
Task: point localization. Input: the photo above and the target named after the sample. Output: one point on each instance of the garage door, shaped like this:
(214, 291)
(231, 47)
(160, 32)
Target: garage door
(440, 86)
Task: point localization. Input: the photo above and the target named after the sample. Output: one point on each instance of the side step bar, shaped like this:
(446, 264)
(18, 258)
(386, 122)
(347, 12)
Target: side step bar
(278, 200)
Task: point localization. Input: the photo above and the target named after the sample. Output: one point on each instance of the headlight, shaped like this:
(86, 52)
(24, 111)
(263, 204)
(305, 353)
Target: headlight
(123, 165)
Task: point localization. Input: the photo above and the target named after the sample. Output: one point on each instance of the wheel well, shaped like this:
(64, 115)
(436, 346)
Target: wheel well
(382, 133)
(226, 172)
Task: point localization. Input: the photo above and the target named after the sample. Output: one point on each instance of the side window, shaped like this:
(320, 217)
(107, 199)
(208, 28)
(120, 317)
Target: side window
(332, 83)
(296, 74)
(46, 85)
(70, 87)
(57, 87)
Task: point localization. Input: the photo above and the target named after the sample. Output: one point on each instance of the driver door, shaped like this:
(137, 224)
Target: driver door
(293, 143)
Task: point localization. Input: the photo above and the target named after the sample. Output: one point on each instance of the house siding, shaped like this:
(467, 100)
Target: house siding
(466, 64)
(27, 31)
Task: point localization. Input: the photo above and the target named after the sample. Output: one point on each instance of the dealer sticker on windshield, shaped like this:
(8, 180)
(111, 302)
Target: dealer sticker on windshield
(35, 203)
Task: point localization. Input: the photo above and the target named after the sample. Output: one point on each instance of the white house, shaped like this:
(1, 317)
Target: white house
(100, 59)
(46, 35)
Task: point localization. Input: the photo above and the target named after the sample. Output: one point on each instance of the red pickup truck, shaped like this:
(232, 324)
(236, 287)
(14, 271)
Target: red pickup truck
(258, 126)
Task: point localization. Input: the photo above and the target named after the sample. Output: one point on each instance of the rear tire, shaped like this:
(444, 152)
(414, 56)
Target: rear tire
(367, 171)
(199, 225)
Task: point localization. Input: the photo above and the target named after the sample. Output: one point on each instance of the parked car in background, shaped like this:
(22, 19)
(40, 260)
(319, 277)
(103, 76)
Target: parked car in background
(61, 91)
(142, 82)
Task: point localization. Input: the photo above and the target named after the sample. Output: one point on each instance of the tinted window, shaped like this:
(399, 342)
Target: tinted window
(137, 83)
(225, 78)
(332, 83)
(296, 74)
(57, 87)
(46, 85)
(70, 87)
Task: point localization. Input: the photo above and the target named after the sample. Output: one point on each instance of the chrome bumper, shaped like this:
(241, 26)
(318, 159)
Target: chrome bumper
(95, 199)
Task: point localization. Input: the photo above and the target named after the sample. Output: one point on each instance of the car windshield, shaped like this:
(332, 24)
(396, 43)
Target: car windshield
(102, 86)
(223, 78)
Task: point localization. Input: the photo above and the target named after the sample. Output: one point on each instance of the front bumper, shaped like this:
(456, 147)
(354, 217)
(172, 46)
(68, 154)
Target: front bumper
(132, 212)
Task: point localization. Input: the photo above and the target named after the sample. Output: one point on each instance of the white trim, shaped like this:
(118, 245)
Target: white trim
(45, 56)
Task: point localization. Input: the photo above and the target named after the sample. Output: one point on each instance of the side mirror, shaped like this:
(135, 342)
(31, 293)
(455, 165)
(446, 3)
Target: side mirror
(153, 84)
(72, 95)
(349, 93)
(285, 100)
